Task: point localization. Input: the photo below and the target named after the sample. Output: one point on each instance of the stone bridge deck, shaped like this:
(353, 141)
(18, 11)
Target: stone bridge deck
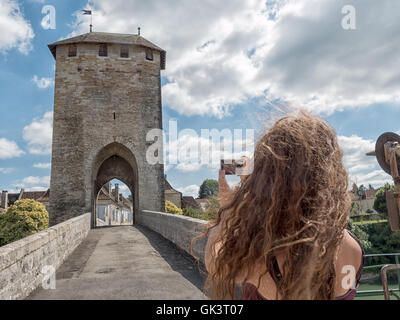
(126, 262)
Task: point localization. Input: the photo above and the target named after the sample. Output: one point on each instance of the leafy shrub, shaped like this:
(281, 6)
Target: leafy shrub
(361, 233)
(23, 219)
(380, 199)
(172, 208)
(355, 208)
(199, 214)
(212, 204)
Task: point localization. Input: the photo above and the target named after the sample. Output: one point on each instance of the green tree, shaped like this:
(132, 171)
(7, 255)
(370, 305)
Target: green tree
(383, 240)
(23, 219)
(208, 187)
(360, 232)
(212, 207)
(380, 199)
(355, 208)
(361, 192)
(354, 189)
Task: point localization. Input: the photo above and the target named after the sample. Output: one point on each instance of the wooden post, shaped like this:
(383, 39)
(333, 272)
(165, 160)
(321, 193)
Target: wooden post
(392, 151)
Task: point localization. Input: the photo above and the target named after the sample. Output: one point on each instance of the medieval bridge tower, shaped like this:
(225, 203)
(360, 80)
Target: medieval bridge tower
(107, 97)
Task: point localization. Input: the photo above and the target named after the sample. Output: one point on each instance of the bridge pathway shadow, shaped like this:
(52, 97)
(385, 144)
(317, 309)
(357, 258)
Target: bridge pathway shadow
(126, 262)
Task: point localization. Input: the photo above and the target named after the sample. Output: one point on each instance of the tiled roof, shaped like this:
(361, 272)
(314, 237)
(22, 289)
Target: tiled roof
(34, 195)
(171, 191)
(189, 201)
(167, 185)
(370, 194)
(104, 195)
(12, 197)
(42, 196)
(198, 200)
(353, 196)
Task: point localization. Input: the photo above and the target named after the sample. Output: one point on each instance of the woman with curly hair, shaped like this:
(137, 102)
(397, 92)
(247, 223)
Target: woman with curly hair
(282, 233)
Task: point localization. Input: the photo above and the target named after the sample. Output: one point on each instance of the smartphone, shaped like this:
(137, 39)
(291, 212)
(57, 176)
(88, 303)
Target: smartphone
(230, 165)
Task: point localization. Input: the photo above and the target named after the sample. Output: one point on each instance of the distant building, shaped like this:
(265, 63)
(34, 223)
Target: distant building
(190, 202)
(112, 207)
(370, 194)
(202, 203)
(171, 194)
(364, 199)
(8, 199)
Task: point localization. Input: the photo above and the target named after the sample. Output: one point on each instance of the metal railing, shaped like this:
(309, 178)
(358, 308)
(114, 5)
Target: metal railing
(384, 268)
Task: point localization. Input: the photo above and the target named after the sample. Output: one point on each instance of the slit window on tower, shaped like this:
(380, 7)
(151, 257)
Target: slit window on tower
(114, 115)
(124, 51)
(103, 50)
(149, 54)
(72, 49)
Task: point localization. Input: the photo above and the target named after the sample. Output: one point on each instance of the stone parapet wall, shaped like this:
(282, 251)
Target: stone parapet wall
(180, 230)
(22, 261)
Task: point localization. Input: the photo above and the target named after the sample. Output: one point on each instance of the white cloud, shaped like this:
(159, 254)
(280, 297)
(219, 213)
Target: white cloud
(9, 149)
(192, 190)
(362, 169)
(191, 152)
(294, 50)
(38, 134)
(124, 189)
(15, 30)
(42, 83)
(42, 165)
(33, 183)
(6, 170)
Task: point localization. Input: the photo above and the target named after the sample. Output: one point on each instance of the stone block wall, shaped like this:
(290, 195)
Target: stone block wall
(101, 102)
(180, 230)
(21, 262)
(174, 197)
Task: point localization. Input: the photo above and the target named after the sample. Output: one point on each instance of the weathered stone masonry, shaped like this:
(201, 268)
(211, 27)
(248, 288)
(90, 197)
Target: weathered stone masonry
(103, 108)
(22, 261)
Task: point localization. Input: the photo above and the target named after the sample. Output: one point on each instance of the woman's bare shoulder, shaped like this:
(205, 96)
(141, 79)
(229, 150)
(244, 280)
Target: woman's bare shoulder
(349, 255)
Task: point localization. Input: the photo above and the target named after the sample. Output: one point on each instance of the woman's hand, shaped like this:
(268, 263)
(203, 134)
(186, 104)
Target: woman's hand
(223, 188)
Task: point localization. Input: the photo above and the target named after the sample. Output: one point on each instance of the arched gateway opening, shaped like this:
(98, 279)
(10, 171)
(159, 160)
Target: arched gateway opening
(114, 161)
(114, 205)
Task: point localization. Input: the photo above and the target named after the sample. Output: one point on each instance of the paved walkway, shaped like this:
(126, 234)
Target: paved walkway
(126, 262)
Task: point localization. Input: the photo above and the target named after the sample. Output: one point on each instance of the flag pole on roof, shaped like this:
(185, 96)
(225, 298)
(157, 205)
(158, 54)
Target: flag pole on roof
(90, 13)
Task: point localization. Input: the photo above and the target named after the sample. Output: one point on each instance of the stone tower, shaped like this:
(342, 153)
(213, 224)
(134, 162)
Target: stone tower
(107, 97)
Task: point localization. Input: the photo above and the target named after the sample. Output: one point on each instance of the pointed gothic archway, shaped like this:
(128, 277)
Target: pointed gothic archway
(115, 161)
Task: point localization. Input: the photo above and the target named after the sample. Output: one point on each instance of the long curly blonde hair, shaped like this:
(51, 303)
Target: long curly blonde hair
(295, 202)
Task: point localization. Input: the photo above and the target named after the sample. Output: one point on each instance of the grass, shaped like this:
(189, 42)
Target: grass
(365, 286)
(370, 222)
(199, 214)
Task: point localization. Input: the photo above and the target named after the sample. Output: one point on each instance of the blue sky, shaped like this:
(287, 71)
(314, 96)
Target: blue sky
(225, 64)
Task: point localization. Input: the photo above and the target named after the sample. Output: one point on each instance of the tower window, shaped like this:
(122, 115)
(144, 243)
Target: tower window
(72, 49)
(124, 51)
(149, 54)
(103, 50)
